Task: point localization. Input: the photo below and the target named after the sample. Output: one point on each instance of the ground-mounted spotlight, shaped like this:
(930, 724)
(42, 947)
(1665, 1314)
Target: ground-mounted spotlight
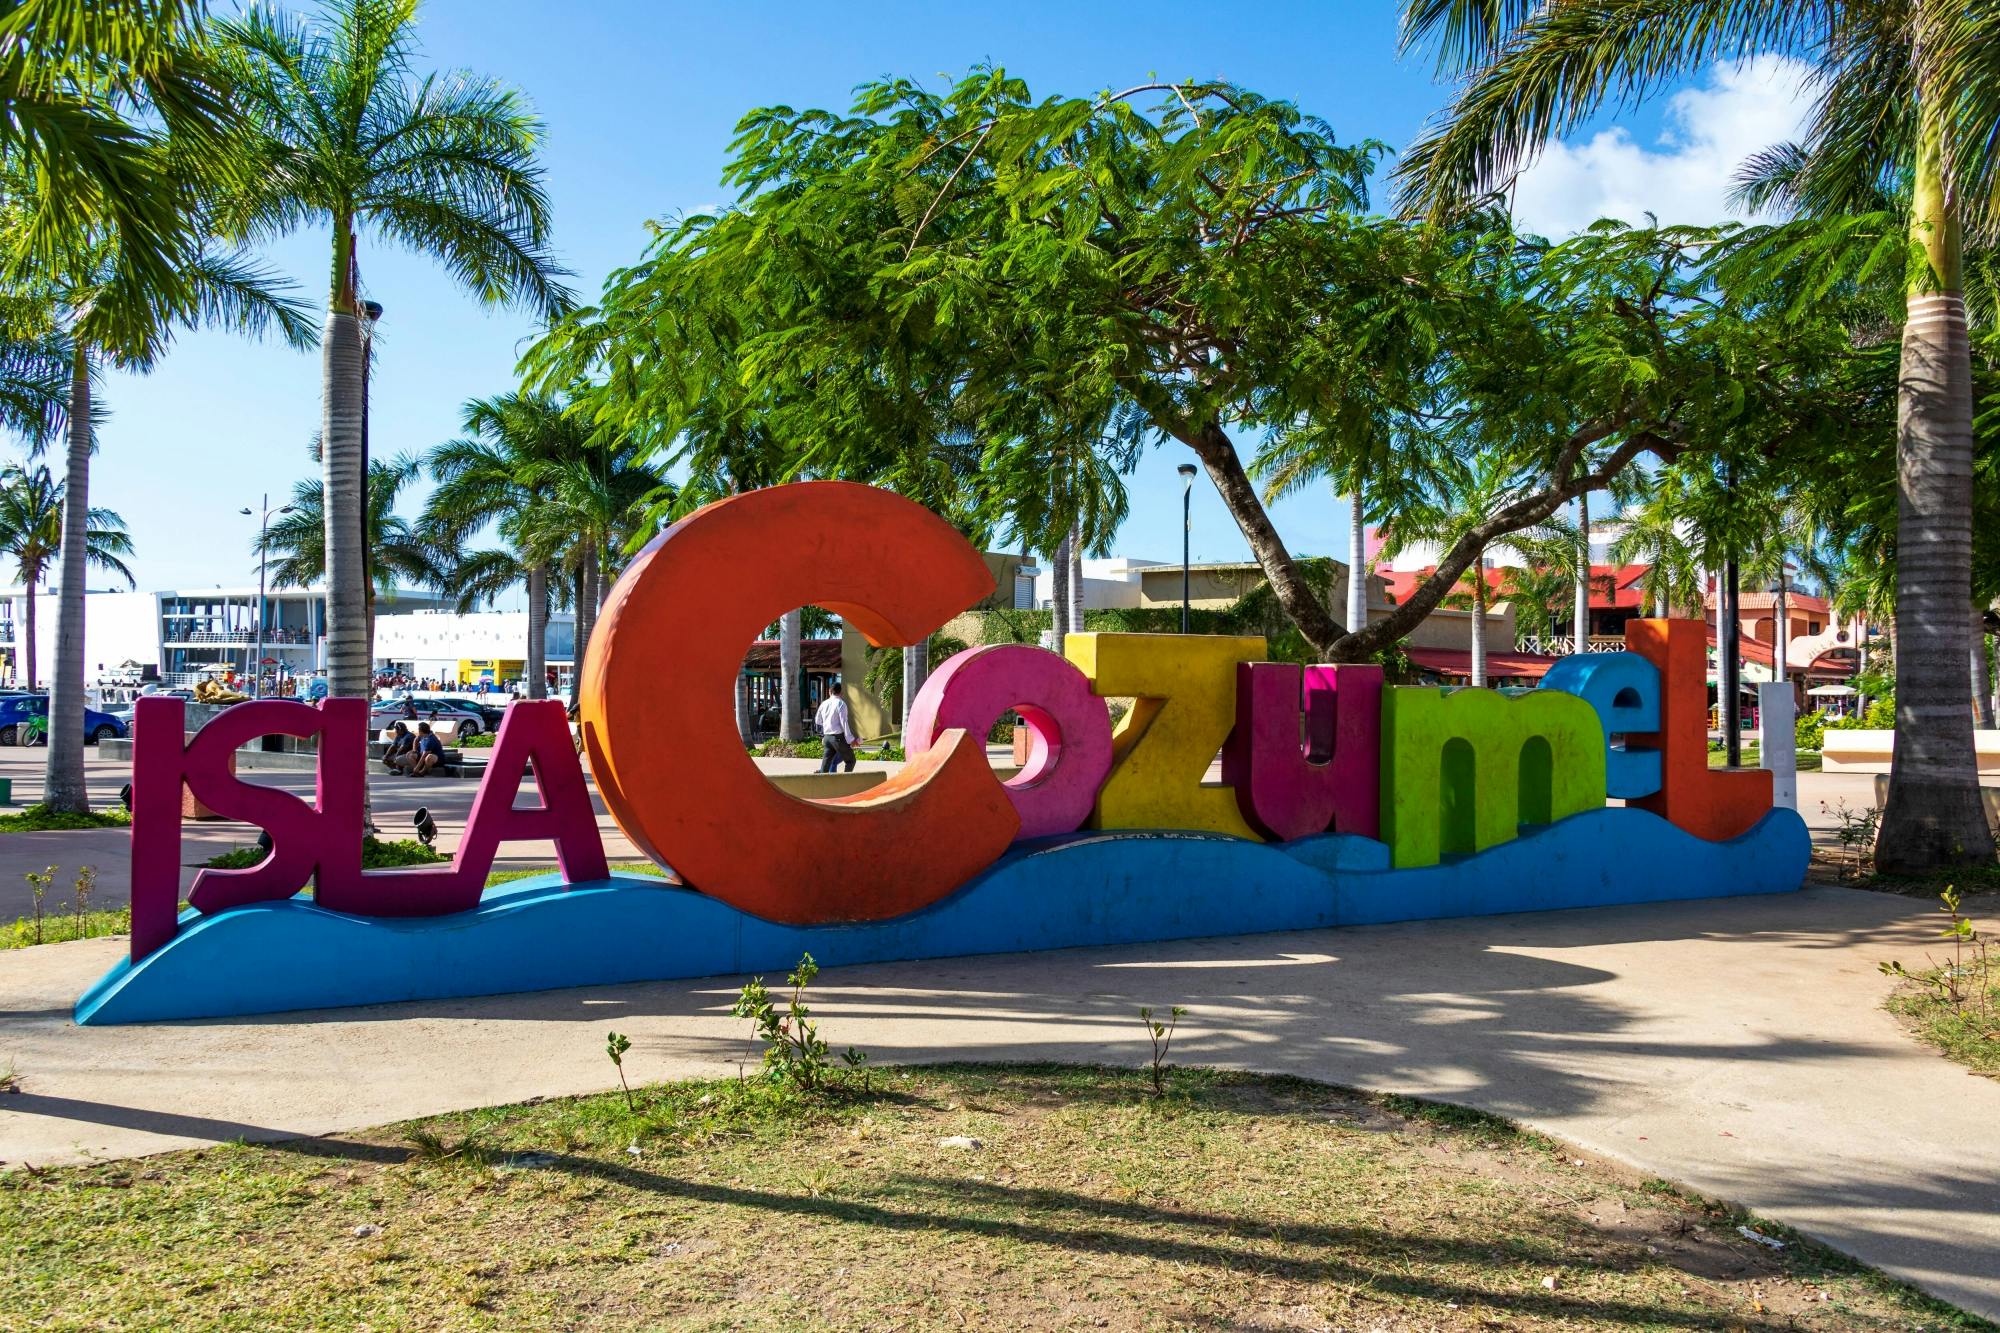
(264, 841)
(427, 829)
(125, 797)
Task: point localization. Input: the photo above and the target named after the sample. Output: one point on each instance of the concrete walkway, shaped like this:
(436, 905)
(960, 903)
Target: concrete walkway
(1735, 1045)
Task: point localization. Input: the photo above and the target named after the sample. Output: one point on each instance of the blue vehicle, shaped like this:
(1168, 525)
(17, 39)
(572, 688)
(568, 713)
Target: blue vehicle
(24, 720)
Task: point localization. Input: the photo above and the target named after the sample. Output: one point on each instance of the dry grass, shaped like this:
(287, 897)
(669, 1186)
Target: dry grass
(1235, 1202)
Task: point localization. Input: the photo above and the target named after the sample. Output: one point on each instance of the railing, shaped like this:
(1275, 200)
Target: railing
(1563, 645)
(276, 638)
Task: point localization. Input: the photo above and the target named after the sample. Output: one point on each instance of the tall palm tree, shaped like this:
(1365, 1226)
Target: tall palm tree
(31, 532)
(495, 474)
(599, 509)
(1454, 497)
(1907, 90)
(71, 71)
(104, 311)
(1657, 537)
(297, 543)
(350, 136)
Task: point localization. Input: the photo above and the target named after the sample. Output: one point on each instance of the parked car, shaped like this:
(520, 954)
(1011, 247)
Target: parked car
(388, 712)
(124, 711)
(492, 712)
(24, 720)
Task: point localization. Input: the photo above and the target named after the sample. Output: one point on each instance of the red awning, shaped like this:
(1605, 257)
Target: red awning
(1499, 666)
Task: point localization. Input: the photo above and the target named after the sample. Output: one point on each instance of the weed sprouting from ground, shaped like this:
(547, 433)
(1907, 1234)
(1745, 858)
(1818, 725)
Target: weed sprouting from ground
(1162, 1035)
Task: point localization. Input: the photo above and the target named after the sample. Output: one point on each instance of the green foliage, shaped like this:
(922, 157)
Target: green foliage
(58, 927)
(376, 854)
(1810, 732)
(483, 741)
(615, 1046)
(795, 1056)
(1955, 1003)
(1162, 1036)
(37, 818)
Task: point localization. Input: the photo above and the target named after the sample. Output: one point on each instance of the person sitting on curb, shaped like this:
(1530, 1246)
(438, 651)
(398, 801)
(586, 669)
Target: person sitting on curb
(401, 743)
(423, 756)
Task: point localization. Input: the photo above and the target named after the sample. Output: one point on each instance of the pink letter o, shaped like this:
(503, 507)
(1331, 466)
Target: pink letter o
(1069, 728)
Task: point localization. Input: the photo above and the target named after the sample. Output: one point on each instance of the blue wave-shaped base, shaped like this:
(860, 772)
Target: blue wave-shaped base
(1123, 887)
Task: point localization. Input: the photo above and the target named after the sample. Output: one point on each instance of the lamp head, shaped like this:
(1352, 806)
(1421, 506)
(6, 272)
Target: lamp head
(1187, 471)
(245, 512)
(372, 309)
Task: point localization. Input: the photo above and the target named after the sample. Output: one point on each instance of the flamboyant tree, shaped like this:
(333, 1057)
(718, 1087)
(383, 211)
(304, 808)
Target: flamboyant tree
(1908, 93)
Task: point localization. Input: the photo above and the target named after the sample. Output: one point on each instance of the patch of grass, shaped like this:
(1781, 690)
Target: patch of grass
(376, 854)
(39, 818)
(616, 867)
(1233, 1200)
(1968, 1033)
(60, 925)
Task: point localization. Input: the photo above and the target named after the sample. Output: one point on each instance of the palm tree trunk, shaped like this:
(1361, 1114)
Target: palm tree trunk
(1582, 615)
(1059, 591)
(1933, 816)
(586, 617)
(916, 670)
(1982, 673)
(1075, 582)
(791, 714)
(1357, 559)
(538, 631)
(28, 648)
(349, 647)
(1479, 621)
(63, 787)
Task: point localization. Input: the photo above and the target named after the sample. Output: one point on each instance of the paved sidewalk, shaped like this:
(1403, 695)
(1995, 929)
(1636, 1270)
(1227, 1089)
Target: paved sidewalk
(1735, 1045)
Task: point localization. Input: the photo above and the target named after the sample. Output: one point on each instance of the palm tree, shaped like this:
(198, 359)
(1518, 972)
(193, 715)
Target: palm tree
(348, 135)
(598, 511)
(31, 531)
(1658, 537)
(495, 474)
(105, 310)
(1454, 496)
(70, 73)
(298, 541)
(1907, 92)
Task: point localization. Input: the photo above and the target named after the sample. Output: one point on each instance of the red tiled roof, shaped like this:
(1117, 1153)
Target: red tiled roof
(814, 655)
(1499, 666)
(1611, 586)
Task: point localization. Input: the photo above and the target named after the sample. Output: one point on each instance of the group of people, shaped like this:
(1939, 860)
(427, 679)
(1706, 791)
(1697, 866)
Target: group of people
(412, 754)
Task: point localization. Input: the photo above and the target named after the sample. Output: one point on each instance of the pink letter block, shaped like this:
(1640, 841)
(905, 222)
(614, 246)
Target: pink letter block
(305, 839)
(1289, 785)
(536, 730)
(1069, 728)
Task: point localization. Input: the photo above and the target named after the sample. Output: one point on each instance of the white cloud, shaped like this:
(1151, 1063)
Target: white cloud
(1686, 174)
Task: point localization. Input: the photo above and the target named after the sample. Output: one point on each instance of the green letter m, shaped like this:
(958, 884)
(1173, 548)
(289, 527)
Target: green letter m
(1463, 769)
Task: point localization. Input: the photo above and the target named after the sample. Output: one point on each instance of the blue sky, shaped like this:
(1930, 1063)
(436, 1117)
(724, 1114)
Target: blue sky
(640, 100)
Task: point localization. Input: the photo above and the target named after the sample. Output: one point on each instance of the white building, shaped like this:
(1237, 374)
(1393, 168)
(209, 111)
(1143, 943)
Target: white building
(180, 633)
(437, 644)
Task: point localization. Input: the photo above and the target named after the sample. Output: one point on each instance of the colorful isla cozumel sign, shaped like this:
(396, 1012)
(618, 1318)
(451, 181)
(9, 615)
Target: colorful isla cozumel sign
(1343, 801)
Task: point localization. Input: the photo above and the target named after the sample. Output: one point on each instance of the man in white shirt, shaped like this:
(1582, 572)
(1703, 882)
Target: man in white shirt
(836, 731)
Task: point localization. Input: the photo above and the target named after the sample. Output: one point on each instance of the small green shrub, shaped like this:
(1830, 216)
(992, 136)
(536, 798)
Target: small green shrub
(795, 1056)
(888, 751)
(483, 741)
(376, 854)
(810, 748)
(39, 818)
(1810, 733)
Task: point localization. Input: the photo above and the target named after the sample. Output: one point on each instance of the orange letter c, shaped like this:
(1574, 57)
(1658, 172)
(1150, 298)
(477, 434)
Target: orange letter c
(661, 672)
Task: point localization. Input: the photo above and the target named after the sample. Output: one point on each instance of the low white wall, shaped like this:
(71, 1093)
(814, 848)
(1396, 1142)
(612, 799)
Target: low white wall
(1870, 751)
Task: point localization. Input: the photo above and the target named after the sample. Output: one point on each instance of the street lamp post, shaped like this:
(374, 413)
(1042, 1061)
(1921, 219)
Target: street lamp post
(263, 559)
(1187, 529)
